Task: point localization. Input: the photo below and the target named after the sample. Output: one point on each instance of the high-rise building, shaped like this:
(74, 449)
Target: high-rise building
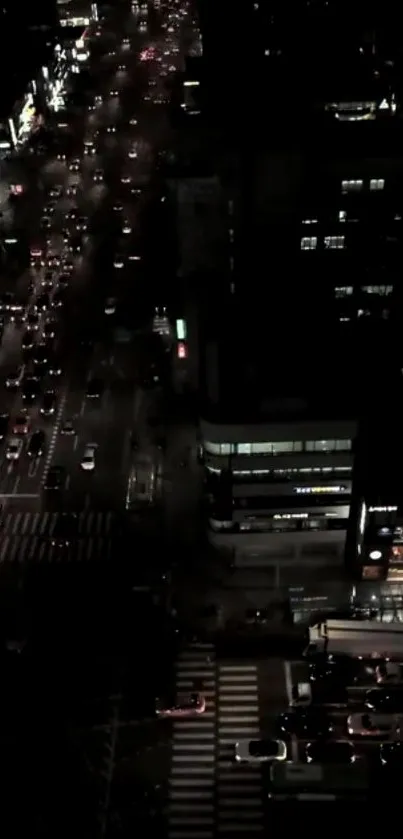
(304, 320)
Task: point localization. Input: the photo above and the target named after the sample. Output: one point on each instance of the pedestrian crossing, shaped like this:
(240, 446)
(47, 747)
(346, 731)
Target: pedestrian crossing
(91, 524)
(210, 794)
(191, 804)
(239, 787)
(37, 550)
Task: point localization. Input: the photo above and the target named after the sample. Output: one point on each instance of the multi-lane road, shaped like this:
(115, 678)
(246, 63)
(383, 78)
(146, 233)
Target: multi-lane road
(126, 122)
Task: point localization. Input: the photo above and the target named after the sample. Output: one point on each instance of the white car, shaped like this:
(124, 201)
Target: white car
(110, 306)
(126, 229)
(260, 751)
(118, 261)
(133, 154)
(133, 121)
(14, 448)
(373, 725)
(88, 458)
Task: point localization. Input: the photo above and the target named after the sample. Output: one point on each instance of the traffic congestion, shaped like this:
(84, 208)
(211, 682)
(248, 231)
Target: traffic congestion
(70, 387)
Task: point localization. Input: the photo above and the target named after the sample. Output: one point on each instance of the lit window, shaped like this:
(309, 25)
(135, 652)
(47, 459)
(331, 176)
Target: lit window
(327, 445)
(310, 221)
(381, 290)
(376, 184)
(334, 243)
(352, 186)
(309, 243)
(342, 215)
(343, 291)
(218, 448)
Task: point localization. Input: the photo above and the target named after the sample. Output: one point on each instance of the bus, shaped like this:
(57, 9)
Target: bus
(365, 639)
(315, 782)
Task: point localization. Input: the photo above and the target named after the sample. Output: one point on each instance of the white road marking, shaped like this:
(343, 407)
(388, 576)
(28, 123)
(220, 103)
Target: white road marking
(54, 435)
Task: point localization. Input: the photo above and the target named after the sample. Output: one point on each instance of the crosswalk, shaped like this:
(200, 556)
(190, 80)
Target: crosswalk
(192, 781)
(209, 794)
(239, 788)
(36, 550)
(27, 537)
(91, 523)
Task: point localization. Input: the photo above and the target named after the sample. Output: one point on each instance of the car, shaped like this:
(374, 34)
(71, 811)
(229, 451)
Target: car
(388, 700)
(125, 179)
(61, 155)
(189, 707)
(391, 754)
(117, 207)
(305, 723)
(4, 421)
(330, 751)
(55, 368)
(132, 153)
(98, 176)
(260, 751)
(48, 406)
(88, 458)
(389, 672)
(118, 261)
(56, 191)
(110, 306)
(111, 129)
(133, 121)
(89, 148)
(14, 448)
(126, 228)
(65, 530)
(68, 428)
(59, 298)
(32, 322)
(113, 92)
(46, 223)
(30, 389)
(42, 302)
(72, 215)
(82, 224)
(95, 388)
(55, 478)
(72, 190)
(68, 267)
(121, 67)
(27, 341)
(21, 424)
(74, 165)
(14, 378)
(49, 330)
(41, 354)
(76, 245)
(36, 445)
(373, 725)
(64, 281)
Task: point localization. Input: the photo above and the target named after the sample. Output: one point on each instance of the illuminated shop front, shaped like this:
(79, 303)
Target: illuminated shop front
(379, 542)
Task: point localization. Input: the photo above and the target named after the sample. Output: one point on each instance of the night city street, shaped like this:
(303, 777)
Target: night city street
(201, 601)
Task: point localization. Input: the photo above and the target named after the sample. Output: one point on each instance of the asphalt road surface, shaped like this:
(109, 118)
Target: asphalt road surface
(110, 189)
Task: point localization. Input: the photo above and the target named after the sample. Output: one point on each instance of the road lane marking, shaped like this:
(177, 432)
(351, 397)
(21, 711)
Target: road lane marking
(54, 435)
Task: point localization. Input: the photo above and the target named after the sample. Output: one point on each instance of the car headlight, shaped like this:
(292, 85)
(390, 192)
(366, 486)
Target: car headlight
(350, 730)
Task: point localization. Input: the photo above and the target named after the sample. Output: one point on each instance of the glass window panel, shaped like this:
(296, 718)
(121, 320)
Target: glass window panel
(244, 448)
(262, 448)
(283, 447)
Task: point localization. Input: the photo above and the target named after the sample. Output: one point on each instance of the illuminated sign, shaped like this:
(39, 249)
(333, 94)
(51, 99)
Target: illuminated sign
(382, 510)
(75, 21)
(290, 516)
(324, 490)
(375, 555)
